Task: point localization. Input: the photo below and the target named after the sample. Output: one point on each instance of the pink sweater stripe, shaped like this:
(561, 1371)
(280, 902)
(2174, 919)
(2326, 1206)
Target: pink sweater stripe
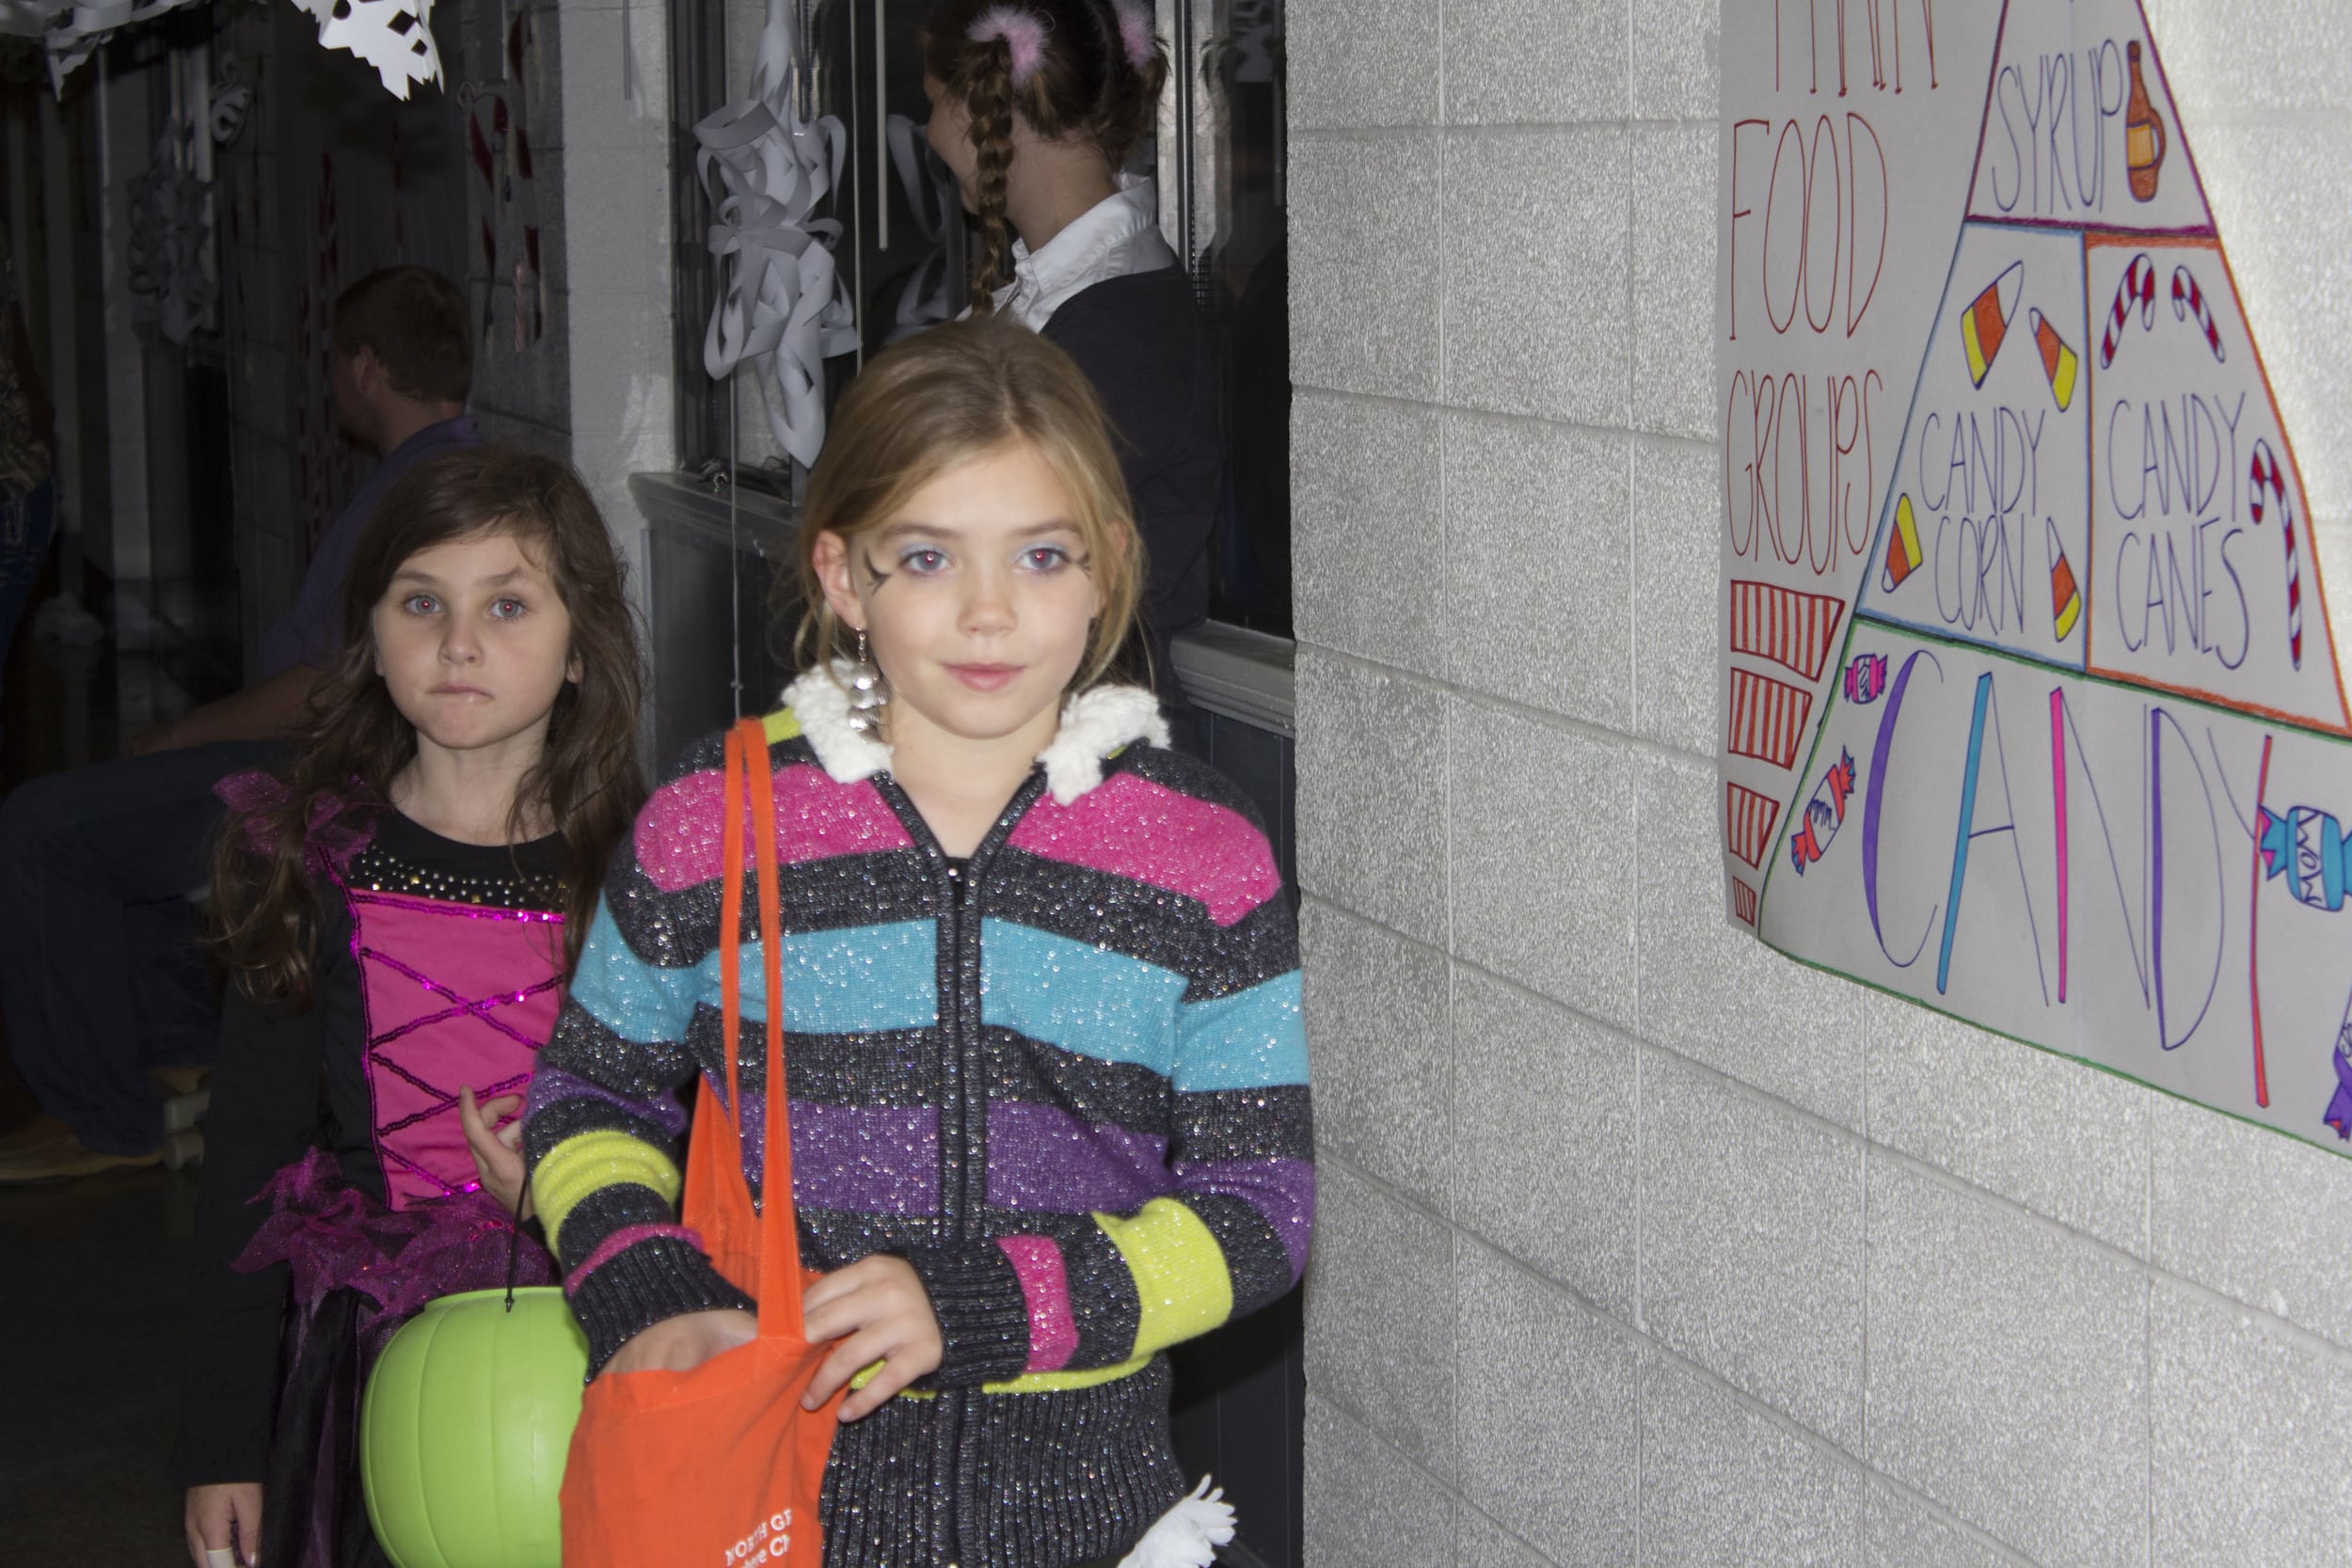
(620, 1241)
(1045, 1284)
(1130, 827)
(677, 847)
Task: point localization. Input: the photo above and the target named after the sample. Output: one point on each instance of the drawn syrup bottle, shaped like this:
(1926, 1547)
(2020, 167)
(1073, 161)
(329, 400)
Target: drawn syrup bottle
(2144, 138)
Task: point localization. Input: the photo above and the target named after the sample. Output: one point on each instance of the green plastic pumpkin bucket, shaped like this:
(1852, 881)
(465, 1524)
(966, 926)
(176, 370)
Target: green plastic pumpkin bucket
(463, 1430)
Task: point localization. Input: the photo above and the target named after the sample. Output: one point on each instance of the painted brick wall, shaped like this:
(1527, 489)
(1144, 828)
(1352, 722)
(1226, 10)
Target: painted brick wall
(1639, 1244)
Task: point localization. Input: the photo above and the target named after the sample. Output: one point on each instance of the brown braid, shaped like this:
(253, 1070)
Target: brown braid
(1084, 86)
(991, 105)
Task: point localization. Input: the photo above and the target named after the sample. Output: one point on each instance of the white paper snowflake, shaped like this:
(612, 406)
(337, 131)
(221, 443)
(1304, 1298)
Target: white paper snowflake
(393, 35)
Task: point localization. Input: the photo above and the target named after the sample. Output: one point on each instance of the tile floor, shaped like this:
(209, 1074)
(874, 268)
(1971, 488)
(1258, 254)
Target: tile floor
(95, 1270)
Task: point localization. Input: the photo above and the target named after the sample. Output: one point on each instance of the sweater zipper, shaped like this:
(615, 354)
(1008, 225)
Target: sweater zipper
(964, 1179)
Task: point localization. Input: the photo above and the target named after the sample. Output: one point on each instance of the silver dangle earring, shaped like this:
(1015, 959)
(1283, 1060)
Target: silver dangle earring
(868, 695)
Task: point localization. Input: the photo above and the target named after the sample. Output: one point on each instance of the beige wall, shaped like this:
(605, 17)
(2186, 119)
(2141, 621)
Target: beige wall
(1638, 1242)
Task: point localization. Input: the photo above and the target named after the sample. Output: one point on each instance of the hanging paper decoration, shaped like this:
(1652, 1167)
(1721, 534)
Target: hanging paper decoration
(72, 33)
(934, 291)
(230, 99)
(324, 457)
(171, 233)
(393, 35)
(783, 307)
(498, 140)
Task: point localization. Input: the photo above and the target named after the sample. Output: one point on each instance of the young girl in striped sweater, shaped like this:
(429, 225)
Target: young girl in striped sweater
(1046, 1074)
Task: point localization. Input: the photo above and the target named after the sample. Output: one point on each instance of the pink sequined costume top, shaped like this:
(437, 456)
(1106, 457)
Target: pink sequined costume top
(454, 992)
(334, 1158)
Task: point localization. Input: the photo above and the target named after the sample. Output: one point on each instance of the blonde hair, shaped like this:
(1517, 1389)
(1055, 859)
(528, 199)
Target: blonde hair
(951, 395)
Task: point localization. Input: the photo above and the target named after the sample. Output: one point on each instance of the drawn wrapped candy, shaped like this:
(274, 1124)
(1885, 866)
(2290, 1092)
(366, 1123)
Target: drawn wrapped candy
(2306, 846)
(2339, 1115)
(1866, 678)
(1823, 813)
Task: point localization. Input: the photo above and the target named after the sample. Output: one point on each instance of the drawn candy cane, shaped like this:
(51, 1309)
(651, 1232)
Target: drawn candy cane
(2187, 296)
(2264, 474)
(2139, 283)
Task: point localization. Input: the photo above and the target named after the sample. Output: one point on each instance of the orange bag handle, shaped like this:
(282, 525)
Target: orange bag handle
(780, 1279)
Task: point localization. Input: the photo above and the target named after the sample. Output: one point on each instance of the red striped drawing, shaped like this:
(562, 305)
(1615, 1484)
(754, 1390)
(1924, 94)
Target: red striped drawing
(1785, 625)
(1748, 819)
(1766, 717)
(1743, 901)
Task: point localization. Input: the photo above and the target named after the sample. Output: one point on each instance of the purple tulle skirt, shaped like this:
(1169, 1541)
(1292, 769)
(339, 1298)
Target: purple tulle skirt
(359, 1270)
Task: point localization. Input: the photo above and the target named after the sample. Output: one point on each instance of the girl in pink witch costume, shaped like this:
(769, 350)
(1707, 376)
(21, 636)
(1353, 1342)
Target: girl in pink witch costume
(397, 914)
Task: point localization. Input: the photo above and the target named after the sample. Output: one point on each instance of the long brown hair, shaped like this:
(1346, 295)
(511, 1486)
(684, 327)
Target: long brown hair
(264, 906)
(940, 400)
(1083, 84)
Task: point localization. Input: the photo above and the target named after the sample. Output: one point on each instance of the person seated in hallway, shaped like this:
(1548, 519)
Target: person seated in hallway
(1034, 107)
(100, 978)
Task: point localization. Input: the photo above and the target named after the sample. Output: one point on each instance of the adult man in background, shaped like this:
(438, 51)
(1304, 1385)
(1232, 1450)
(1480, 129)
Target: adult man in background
(100, 974)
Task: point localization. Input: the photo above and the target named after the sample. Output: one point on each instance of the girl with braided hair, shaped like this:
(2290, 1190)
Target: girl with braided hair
(1035, 105)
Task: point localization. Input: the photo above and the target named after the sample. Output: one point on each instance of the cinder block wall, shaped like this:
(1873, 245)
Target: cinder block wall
(1639, 1243)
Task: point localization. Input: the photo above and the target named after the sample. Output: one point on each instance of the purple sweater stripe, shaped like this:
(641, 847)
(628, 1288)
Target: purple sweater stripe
(553, 1084)
(871, 1159)
(1283, 1190)
(1042, 1159)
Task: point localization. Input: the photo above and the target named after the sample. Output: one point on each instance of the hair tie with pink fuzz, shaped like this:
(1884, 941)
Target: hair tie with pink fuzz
(1135, 31)
(1024, 35)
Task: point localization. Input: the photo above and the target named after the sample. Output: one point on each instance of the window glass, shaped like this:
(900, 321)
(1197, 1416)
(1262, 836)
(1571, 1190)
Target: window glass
(904, 248)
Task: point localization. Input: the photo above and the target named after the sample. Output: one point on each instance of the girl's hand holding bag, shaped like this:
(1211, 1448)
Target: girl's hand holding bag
(719, 1466)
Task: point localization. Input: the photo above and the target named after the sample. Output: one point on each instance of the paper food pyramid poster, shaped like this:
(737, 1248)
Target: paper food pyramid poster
(2031, 710)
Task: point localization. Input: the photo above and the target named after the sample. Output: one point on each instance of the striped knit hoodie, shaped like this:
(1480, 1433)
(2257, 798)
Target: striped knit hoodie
(1066, 1082)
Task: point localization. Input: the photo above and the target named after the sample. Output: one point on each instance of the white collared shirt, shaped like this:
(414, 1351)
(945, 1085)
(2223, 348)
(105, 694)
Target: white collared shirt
(1118, 235)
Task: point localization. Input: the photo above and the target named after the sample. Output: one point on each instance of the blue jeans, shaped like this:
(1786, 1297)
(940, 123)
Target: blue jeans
(101, 971)
(25, 524)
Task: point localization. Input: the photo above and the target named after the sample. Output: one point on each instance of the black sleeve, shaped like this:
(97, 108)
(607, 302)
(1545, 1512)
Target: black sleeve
(264, 1114)
(1139, 340)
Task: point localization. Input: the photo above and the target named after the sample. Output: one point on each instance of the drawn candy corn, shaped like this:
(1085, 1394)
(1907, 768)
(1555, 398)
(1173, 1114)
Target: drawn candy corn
(1986, 322)
(2066, 601)
(2059, 363)
(1902, 547)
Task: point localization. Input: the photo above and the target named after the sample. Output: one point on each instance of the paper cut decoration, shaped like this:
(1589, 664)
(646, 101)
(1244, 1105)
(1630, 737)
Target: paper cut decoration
(393, 35)
(932, 292)
(782, 307)
(231, 98)
(171, 237)
(72, 33)
(2110, 822)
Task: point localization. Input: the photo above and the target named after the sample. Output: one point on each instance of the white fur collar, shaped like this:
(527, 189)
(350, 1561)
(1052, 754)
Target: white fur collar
(821, 703)
(1094, 723)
